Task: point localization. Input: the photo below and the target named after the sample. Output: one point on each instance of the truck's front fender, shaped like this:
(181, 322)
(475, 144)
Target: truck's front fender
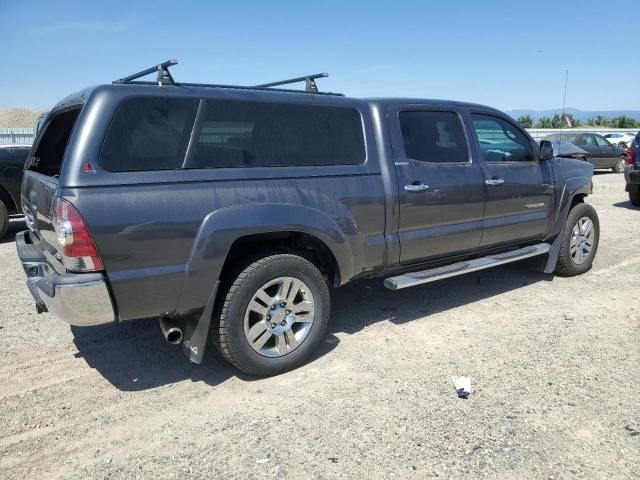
(221, 228)
(572, 187)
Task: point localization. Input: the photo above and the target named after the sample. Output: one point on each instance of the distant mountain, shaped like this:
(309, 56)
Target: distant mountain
(581, 115)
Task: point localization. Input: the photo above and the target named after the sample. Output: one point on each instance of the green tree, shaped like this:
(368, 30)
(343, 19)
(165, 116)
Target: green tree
(525, 121)
(557, 121)
(544, 122)
(601, 121)
(623, 122)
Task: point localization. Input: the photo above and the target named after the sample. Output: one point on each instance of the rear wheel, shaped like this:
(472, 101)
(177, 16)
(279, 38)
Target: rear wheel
(580, 238)
(619, 166)
(634, 198)
(275, 314)
(4, 219)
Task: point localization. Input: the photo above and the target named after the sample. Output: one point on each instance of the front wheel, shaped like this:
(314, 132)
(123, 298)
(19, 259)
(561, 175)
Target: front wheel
(580, 237)
(619, 166)
(274, 316)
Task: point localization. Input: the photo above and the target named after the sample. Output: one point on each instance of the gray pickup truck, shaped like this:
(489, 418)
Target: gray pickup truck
(228, 212)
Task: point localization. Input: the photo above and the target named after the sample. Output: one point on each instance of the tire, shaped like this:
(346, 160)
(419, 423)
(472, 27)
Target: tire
(282, 339)
(634, 198)
(4, 219)
(619, 166)
(569, 263)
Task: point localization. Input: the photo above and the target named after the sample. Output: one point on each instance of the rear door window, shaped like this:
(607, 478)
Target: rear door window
(433, 137)
(149, 133)
(235, 134)
(587, 141)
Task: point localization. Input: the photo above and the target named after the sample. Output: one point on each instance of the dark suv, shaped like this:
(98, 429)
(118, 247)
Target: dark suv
(230, 211)
(632, 171)
(12, 158)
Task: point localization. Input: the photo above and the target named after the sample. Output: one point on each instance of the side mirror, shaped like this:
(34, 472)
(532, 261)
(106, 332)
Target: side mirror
(546, 150)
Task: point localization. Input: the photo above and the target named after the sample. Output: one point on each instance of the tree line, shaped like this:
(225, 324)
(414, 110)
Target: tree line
(558, 122)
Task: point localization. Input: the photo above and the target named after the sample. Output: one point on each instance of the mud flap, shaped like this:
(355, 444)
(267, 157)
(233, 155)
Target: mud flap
(197, 330)
(554, 253)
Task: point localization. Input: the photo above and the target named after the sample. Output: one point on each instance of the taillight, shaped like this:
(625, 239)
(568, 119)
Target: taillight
(630, 154)
(78, 251)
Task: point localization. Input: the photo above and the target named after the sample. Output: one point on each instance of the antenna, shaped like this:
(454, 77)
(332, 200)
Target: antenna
(564, 99)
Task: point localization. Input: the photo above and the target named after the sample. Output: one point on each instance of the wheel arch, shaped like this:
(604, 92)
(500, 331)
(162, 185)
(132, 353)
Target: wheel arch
(574, 191)
(7, 199)
(288, 227)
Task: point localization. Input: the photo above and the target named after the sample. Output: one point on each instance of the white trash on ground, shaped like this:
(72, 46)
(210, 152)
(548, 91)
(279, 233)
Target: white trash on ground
(462, 386)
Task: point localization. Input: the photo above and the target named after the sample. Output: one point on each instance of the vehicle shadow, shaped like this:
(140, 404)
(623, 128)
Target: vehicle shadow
(366, 302)
(133, 356)
(626, 205)
(16, 225)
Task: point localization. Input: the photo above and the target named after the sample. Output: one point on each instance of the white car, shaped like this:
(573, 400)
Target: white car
(620, 138)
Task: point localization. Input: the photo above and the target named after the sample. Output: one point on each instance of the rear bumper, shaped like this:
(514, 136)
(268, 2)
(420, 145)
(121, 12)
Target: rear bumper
(632, 177)
(81, 299)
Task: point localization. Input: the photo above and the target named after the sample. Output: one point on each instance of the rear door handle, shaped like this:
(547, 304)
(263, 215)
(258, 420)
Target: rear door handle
(494, 181)
(416, 187)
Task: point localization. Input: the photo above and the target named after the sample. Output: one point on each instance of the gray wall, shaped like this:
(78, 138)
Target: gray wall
(538, 133)
(16, 136)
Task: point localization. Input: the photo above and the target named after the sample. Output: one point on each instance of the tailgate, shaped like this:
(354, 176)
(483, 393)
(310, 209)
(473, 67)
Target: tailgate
(39, 194)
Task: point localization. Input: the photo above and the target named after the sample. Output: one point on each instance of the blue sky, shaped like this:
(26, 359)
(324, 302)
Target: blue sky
(507, 54)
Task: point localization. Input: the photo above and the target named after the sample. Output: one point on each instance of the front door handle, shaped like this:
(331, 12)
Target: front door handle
(494, 181)
(416, 187)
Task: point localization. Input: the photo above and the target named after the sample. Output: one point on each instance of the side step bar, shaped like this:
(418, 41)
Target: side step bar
(425, 276)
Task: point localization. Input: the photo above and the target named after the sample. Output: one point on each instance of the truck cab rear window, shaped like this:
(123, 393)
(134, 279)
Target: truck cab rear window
(149, 133)
(237, 134)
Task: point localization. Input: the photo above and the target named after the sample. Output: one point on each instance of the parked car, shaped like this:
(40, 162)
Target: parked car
(620, 139)
(601, 153)
(632, 171)
(230, 211)
(568, 150)
(12, 159)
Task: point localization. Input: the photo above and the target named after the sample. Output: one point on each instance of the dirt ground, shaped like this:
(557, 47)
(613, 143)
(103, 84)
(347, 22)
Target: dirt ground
(555, 364)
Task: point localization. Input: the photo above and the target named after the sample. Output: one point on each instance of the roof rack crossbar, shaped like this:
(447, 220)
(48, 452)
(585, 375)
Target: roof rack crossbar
(165, 78)
(310, 84)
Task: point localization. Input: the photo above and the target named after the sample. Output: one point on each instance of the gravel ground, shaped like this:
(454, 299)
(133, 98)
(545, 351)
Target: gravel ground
(554, 361)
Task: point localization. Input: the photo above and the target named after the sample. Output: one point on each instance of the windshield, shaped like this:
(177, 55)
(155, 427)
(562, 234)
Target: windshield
(565, 137)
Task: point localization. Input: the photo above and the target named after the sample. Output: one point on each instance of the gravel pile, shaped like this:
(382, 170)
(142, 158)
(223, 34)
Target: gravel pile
(18, 118)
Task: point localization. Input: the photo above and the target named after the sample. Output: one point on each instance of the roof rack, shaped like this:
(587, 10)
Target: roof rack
(165, 78)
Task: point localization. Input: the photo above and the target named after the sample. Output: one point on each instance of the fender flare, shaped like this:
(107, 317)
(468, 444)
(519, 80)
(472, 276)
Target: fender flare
(572, 187)
(8, 200)
(221, 228)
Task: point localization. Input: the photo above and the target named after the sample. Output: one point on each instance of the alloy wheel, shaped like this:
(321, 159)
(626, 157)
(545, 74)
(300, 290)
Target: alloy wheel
(279, 316)
(582, 240)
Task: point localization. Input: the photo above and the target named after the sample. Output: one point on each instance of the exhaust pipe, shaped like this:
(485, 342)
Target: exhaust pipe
(172, 332)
